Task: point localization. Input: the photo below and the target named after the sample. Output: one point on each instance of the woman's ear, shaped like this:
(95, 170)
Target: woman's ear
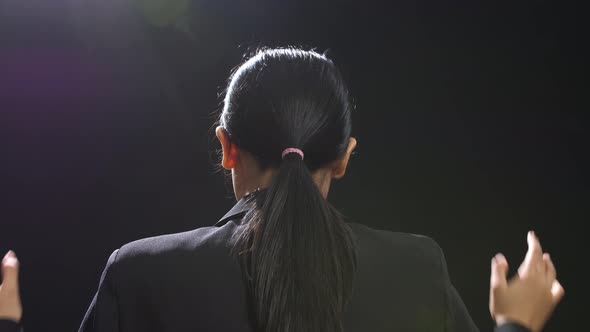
(340, 167)
(228, 148)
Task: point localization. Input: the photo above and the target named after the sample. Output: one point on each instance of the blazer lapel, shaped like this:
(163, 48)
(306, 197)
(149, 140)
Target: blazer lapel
(240, 208)
(237, 211)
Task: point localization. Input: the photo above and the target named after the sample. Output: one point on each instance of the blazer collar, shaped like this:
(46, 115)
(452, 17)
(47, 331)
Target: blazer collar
(239, 209)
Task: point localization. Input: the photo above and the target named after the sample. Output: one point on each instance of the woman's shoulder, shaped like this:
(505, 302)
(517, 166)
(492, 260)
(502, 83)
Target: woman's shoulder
(393, 246)
(401, 268)
(196, 257)
(200, 241)
(388, 237)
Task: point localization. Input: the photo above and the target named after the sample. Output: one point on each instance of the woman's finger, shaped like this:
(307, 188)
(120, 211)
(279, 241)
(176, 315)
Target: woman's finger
(533, 261)
(549, 267)
(10, 271)
(499, 272)
(535, 251)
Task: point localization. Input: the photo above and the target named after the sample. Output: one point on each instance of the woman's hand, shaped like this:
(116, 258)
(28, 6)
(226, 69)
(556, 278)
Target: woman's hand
(10, 305)
(529, 297)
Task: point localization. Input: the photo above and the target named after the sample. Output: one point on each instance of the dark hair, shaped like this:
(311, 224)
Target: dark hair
(297, 252)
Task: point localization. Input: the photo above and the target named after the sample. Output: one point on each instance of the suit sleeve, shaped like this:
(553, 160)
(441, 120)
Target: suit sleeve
(457, 318)
(7, 325)
(457, 315)
(103, 313)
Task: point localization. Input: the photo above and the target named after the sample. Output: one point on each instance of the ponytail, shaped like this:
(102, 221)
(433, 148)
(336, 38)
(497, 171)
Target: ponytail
(297, 255)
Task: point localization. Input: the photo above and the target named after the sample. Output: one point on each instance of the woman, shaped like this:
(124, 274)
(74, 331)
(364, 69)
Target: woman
(283, 258)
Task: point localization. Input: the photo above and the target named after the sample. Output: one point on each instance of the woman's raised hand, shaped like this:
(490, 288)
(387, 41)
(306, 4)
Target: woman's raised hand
(529, 297)
(10, 305)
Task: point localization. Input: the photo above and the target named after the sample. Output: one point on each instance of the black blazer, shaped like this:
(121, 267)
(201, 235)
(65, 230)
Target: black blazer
(190, 282)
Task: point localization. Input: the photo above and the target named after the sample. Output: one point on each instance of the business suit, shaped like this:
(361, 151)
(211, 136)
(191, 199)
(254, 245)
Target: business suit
(190, 282)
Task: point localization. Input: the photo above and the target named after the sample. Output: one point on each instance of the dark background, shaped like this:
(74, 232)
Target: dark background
(469, 120)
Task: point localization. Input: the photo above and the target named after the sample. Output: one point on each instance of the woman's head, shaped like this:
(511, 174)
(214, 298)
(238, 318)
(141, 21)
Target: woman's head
(282, 98)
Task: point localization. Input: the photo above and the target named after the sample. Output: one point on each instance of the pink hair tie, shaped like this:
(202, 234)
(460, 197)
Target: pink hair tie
(291, 150)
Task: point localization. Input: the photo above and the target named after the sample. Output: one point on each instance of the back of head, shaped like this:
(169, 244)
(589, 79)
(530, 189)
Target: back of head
(297, 252)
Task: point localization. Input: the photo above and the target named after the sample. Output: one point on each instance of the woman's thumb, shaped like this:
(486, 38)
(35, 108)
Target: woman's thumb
(557, 291)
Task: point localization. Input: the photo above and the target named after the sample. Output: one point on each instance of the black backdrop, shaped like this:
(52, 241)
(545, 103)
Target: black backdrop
(469, 122)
